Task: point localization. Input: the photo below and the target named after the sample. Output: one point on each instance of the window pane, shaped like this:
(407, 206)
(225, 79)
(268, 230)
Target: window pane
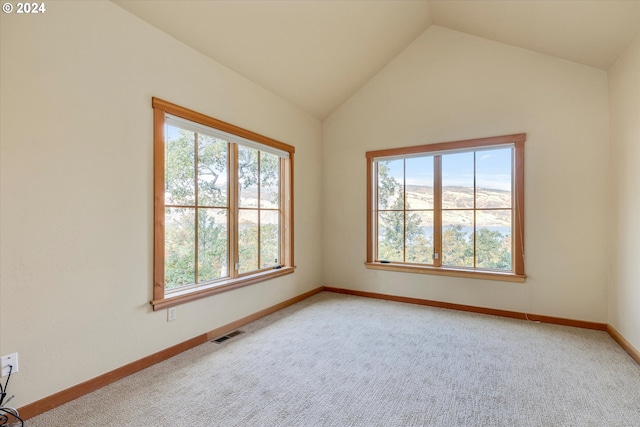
(269, 238)
(391, 184)
(248, 240)
(493, 239)
(179, 247)
(247, 177)
(179, 167)
(457, 181)
(212, 171)
(457, 238)
(419, 182)
(391, 236)
(212, 244)
(419, 237)
(269, 180)
(493, 178)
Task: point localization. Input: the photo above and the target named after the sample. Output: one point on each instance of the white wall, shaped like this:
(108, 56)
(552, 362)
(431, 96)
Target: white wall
(624, 104)
(77, 198)
(448, 86)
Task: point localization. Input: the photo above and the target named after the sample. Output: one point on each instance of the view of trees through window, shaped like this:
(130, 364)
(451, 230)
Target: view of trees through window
(197, 208)
(222, 206)
(472, 209)
(258, 202)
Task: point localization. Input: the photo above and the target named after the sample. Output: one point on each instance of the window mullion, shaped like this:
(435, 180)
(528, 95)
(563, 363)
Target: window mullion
(259, 216)
(281, 210)
(475, 228)
(372, 210)
(404, 210)
(437, 210)
(195, 203)
(287, 212)
(233, 210)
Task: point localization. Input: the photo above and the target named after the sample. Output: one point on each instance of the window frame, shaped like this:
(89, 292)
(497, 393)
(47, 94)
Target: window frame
(517, 274)
(163, 300)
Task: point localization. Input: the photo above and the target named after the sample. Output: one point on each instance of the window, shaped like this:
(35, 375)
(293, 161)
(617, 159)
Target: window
(222, 206)
(454, 208)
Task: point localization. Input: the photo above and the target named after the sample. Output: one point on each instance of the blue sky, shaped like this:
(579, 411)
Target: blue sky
(493, 169)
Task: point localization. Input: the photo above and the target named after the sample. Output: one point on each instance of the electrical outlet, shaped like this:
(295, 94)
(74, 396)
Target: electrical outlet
(11, 359)
(171, 314)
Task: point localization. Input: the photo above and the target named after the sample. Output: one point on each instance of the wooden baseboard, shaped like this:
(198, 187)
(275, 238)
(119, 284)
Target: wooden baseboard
(474, 309)
(67, 395)
(626, 345)
(64, 396)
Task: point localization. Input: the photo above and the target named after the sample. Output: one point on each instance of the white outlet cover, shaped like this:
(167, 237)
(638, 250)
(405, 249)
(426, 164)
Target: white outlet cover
(171, 314)
(10, 359)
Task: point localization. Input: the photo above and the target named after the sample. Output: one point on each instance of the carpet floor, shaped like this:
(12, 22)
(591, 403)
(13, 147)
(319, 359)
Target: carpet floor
(339, 360)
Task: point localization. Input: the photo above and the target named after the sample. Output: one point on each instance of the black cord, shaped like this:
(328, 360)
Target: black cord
(6, 384)
(4, 419)
(3, 391)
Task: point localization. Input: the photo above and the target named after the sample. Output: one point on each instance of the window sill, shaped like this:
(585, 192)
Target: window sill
(448, 271)
(181, 297)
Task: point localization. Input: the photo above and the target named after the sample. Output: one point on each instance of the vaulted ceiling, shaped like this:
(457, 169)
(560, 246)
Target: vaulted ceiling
(317, 53)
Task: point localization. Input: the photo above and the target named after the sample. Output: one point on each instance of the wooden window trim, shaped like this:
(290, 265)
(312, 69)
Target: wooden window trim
(518, 272)
(191, 293)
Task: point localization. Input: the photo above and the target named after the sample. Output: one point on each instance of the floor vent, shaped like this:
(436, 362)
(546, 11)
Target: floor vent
(228, 336)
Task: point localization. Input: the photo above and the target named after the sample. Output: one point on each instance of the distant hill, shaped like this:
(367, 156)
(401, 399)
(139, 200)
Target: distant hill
(454, 197)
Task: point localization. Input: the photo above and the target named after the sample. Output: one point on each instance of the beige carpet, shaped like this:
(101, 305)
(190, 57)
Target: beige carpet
(337, 360)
